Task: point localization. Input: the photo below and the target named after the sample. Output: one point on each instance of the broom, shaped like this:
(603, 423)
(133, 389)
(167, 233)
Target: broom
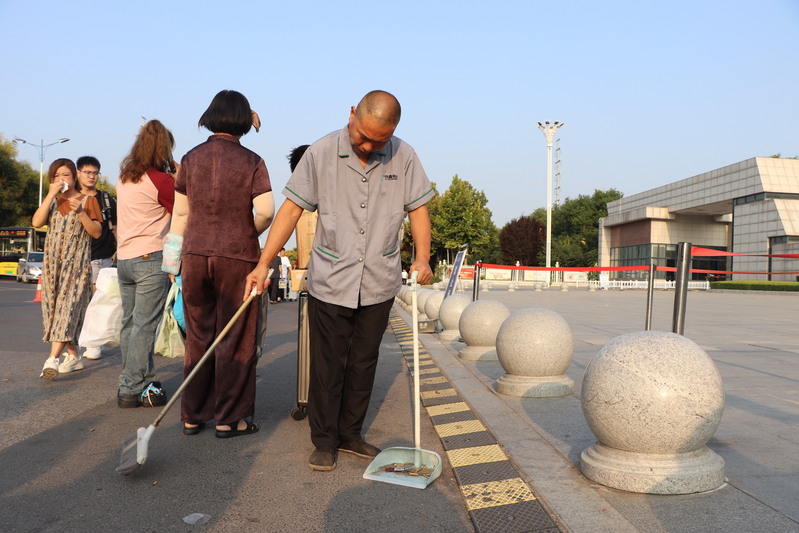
(134, 449)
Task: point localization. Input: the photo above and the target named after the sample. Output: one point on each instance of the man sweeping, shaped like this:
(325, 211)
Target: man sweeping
(362, 180)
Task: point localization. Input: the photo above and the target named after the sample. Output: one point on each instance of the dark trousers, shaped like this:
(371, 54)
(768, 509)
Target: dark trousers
(274, 284)
(224, 387)
(344, 347)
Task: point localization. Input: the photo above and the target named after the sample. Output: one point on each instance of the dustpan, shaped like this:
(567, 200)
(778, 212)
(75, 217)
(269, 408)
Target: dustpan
(409, 467)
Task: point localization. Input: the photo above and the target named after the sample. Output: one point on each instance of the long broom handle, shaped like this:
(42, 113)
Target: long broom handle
(205, 356)
(417, 441)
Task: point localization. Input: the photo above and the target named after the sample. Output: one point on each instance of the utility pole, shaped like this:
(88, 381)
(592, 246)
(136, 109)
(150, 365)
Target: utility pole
(549, 130)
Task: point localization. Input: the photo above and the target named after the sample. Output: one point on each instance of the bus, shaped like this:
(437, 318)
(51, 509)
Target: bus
(14, 243)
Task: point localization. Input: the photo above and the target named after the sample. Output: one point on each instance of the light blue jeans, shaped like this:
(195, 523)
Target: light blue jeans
(143, 287)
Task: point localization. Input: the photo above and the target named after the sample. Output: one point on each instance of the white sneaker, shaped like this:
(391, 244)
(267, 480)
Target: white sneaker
(70, 364)
(93, 352)
(50, 370)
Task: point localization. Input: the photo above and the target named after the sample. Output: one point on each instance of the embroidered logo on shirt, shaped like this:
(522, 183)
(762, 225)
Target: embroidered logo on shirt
(390, 177)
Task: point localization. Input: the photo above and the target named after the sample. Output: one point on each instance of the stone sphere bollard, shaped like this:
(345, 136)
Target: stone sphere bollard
(433, 305)
(653, 399)
(485, 286)
(407, 298)
(535, 347)
(449, 314)
(421, 298)
(564, 287)
(538, 287)
(511, 287)
(479, 325)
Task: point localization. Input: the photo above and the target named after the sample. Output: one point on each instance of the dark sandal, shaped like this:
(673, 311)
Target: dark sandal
(192, 431)
(222, 434)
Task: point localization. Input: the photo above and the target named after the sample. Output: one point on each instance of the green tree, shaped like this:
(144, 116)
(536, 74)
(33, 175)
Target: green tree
(104, 185)
(19, 186)
(462, 217)
(575, 228)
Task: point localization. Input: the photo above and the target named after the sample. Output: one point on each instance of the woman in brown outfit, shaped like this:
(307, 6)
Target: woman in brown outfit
(219, 184)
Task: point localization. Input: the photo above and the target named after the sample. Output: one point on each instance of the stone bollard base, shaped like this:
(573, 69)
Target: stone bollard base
(651, 473)
(479, 353)
(534, 386)
(428, 326)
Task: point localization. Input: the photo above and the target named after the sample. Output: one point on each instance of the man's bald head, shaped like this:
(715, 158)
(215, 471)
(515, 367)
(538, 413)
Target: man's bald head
(380, 105)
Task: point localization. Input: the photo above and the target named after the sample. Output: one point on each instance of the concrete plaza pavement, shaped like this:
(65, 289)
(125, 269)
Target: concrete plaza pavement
(60, 443)
(753, 337)
(60, 440)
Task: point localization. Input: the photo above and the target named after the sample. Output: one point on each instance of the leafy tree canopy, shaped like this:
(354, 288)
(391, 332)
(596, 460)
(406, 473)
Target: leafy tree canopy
(19, 186)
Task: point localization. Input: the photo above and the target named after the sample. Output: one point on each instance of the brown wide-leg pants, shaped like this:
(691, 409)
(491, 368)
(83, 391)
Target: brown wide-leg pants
(224, 388)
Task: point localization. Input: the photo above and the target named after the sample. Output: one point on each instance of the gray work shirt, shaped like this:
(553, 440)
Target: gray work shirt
(356, 249)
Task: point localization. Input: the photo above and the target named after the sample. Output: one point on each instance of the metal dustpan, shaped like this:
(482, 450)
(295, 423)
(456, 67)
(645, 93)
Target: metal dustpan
(409, 467)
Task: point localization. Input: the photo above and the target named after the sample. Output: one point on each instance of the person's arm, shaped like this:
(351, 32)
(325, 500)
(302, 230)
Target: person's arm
(42, 214)
(264, 206)
(282, 227)
(180, 214)
(90, 224)
(421, 233)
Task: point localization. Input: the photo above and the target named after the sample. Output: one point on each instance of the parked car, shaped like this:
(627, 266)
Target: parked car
(29, 268)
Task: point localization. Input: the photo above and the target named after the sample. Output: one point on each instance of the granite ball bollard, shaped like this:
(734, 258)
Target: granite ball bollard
(433, 305)
(538, 287)
(511, 287)
(485, 285)
(564, 287)
(535, 347)
(404, 297)
(653, 399)
(479, 325)
(449, 314)
(421, 299)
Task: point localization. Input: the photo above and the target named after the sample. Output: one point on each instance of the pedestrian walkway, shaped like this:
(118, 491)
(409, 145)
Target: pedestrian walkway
(753, 340)
(496, 496)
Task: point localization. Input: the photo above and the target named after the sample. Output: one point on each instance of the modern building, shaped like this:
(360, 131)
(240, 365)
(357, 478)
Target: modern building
(751, 207)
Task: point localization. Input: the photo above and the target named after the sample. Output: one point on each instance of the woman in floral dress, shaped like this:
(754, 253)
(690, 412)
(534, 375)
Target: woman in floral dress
(72, 218)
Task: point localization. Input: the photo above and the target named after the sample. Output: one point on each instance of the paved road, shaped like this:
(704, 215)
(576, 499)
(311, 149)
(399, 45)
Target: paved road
(60, 444)
(61, 440)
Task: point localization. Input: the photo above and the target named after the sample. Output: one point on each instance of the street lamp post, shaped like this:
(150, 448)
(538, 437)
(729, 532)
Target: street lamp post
(549, 130)
(42, 147)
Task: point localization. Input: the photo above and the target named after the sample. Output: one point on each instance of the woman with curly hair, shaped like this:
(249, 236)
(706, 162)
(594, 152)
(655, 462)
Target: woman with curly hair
(146, 193)
(72, 218)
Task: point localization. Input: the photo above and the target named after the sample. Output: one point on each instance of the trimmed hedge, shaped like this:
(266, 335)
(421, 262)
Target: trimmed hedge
(756, 285)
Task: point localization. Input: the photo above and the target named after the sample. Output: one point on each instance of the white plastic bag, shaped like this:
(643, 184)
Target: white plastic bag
(103, 322)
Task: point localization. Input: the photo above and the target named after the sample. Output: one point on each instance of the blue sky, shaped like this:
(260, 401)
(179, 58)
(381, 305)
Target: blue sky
(650, 92)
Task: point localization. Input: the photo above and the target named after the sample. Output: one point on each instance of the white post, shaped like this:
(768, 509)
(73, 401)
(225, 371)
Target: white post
(549, 130)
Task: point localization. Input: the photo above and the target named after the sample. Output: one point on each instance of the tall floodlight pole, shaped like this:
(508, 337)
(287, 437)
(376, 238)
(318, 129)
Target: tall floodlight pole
(549, 130)
(42, 147)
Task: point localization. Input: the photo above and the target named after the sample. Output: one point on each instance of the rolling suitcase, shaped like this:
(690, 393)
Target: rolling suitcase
(303, 358)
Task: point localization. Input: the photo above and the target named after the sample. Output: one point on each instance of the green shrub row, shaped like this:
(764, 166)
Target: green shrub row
(756, 285)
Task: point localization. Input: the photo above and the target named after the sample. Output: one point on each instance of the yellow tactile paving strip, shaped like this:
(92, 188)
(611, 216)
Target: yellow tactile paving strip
(497, 498)
(446, 409)
(476, 455)
(426, 395)
(459, 428)
(495, 493)
(432, 381)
